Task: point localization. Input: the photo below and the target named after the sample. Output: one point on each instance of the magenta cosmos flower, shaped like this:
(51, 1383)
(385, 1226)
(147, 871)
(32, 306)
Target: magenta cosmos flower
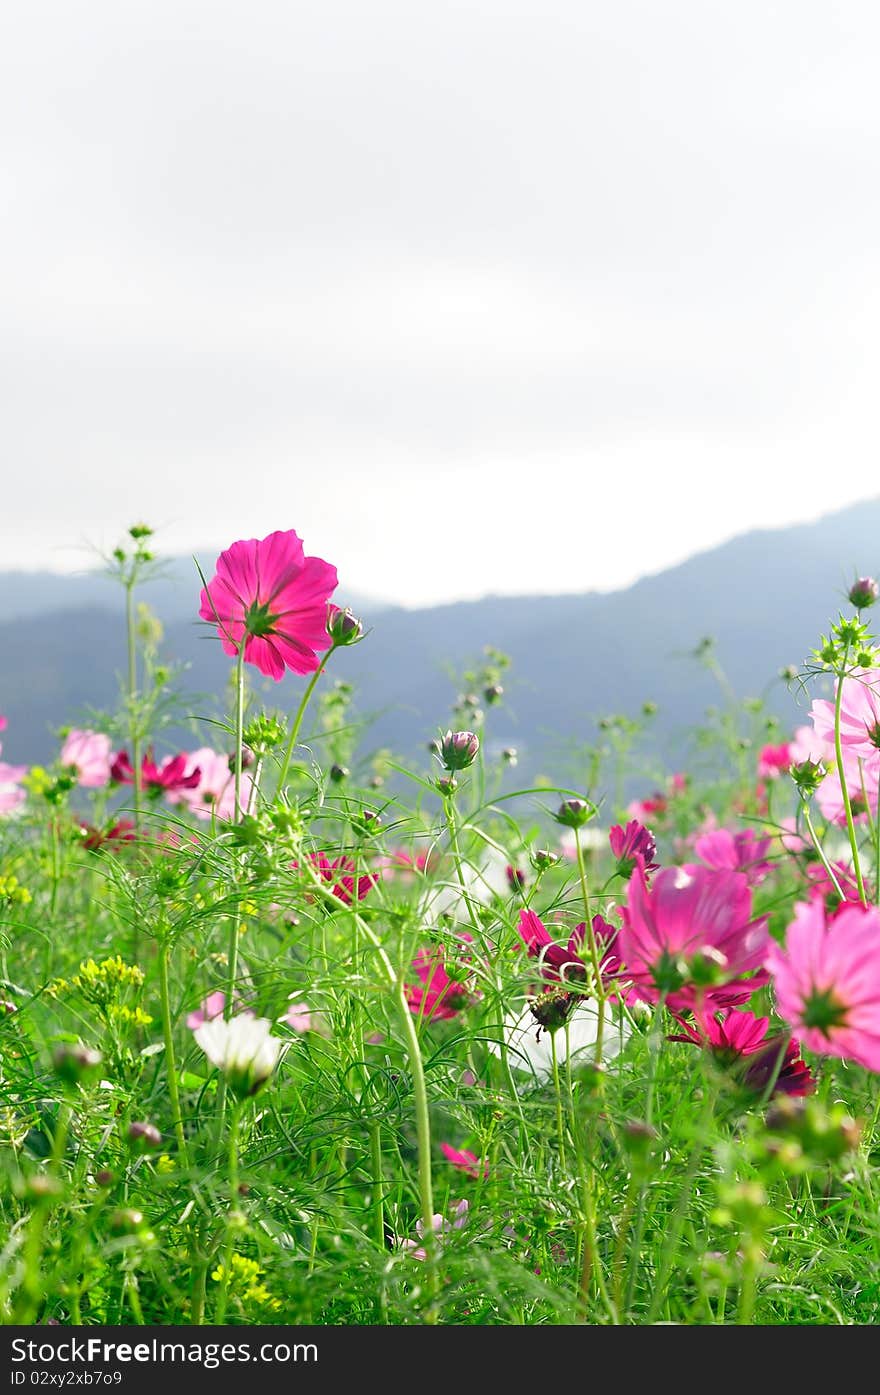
(773, 760)
(738, 1041)
(88, 752)
(269, 596)
(465, 1161)
(742, 851)
(689, 938)
(339, 877)
(628, 844)
(436, 996)
(827, 981)
(172, 775)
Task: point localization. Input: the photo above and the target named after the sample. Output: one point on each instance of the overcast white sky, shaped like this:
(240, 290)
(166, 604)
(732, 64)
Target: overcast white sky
(477, 295)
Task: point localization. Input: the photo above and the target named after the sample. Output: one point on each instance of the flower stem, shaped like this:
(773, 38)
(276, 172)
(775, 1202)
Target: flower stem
(170, 1059)
(133, 722)
(232, 1172)
(841, 775)
(598, 986)
(297, 722)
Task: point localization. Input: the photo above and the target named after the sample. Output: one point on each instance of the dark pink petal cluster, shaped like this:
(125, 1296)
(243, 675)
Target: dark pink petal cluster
(689, 939)
(827, 980)
(739, 1042)
(773, 761)
(172, 775)
(630, 843)
(436, 996)
(340, 876)
(465, 1161)
(271, 598)
(742, 851)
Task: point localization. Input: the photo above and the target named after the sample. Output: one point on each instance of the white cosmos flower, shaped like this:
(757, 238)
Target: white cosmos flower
(242, 1048)
(529, 1045)
(484, 878)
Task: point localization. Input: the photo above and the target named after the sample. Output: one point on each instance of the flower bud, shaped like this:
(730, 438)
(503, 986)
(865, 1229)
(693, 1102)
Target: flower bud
(574, 813)
(863, 592)
(447, 785)
(492, 694)
(542, 859)
(508, 755)
(458, 749)
(144, 1136)
(76, 1063)
(104, 1177)
(343, 626)
(808, 776)
(338, 773)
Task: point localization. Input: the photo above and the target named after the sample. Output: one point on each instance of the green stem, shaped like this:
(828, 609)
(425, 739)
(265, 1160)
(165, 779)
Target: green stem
(654, 1040)
(297, 722)
(232, 1168)
(420, 1092)
(822, 858)
(841, 775)
(170, 1060)
(560, 1127)
(598, 986)
(134, 724)
(239, 731)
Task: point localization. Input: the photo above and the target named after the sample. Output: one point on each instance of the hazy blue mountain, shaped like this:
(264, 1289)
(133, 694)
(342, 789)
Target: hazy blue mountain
(173, 591)
(764, 597)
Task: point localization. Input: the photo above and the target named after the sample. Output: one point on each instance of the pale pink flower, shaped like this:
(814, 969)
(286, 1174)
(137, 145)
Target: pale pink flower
(827, 981)
(862, 776)
(270, 597)
(11, 793)
(859, 714)
(440, 1225)
(208, 1009)
(89, 753)
(298, 1017)
(214, 795)
(807, 744)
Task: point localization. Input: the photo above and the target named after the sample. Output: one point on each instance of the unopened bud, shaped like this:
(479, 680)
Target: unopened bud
(144, 1136)
(458, 749)
(76, 1063)
(343, 626)
(508, 755)
(541, 859)
(492, 694)
(574, 813)
(863, 592)
(338, 773)
(447, 785)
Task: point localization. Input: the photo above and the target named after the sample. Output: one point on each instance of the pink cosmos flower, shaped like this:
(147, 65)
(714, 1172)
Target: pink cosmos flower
(269, 596)
(94, 838)
(806, 744)
(169, 777)
(89, 754)
(440, 1226)
(465, 1161)
(559, 965)
(11, 793)
(827, 981)
(859, 715)
(742, 851)
(436, 997)
(408, 865)
(689, 938)
(862, 775)
(791, 840)
(298, 1017)
(209, 1008)
(214, 791)
(738, 1041)
(4, 723)
(342, 887)
(773, 761)
(641, 809)
(632, 842)
(823, 889)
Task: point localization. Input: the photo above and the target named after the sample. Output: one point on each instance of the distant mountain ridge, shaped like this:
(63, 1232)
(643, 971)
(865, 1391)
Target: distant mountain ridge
(764, 597)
